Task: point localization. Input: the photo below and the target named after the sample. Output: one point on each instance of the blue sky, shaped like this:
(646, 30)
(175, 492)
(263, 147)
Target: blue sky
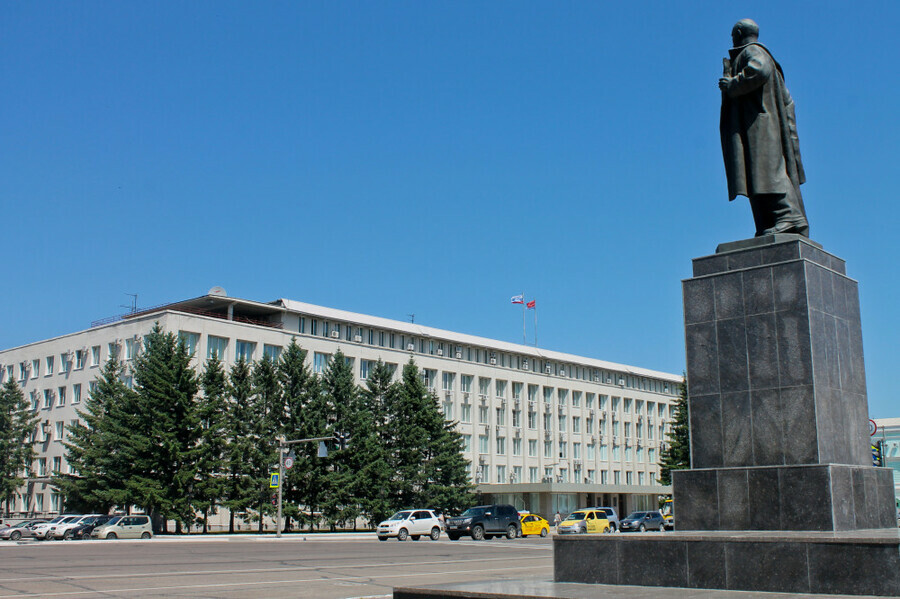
(432, 158)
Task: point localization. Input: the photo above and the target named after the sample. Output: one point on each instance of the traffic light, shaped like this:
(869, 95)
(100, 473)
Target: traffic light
(877, 454)
(274, 498)
(342, 440)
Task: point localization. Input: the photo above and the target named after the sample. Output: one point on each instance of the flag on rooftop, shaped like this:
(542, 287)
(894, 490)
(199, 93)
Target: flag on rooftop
(518, 299)
(531, 304)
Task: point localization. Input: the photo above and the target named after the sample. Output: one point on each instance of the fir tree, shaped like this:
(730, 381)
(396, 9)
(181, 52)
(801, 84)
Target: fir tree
(210, 484)
(94, 447)
(268, 414)
(677, 454)
(239, 492)
(163, 445)
(303, 420)
(447, 486)
(342, 415)
(370, 440)
(408, 445)
(17, 424)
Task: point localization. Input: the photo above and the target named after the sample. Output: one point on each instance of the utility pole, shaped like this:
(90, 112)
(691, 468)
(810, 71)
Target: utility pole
(342, 439)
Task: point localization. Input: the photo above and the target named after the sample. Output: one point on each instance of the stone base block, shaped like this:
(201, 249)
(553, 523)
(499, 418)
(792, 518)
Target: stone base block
(830, 497)
(858, 563)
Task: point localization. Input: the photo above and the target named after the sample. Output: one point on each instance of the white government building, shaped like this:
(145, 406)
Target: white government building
(545, 431)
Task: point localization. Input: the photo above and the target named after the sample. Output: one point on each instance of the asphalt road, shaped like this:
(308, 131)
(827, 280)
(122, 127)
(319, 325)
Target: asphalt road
(258, 567)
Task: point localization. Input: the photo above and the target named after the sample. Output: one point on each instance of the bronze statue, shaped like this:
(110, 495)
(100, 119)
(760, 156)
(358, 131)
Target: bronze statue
(759, 135)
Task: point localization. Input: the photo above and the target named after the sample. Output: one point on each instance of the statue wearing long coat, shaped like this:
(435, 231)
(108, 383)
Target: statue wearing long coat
(759, 133)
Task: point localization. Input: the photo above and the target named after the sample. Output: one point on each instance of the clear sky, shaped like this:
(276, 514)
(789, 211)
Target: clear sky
(428, 158)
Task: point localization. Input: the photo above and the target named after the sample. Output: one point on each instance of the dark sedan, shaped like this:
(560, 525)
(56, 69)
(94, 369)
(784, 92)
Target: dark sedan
(643, 521)
(20, 530)
(84, 530)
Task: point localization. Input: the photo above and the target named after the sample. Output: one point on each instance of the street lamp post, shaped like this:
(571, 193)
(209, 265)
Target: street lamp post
(283, 444)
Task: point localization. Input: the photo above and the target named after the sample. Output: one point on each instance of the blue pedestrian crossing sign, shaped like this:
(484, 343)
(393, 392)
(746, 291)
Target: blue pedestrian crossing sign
(273, 480)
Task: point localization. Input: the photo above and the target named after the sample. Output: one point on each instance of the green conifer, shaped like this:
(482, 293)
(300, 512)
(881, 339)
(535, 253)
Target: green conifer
(677, 454)
(17, 424)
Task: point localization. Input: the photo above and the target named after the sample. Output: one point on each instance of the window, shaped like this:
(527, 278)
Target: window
(548, 394)
(79, 359)
(447, 379)
(617, 477)
(627, 407)
(604, 477)
(629, 480)
(501, 474)
(576, 398)
(576, 424)
(54, 500)
(641, 478)
(500, 388)
(627, 429)
(484, 386)
(562, 423)
(42, 467)
(313, 327)
(465, 383)
(467, 443)
(130, 348)
(92, 388)
(617, 453)
(532, 392)
(60, 435)
(320, 362)
(604, 452)
(364, 367)
(517, 390)
(112, 350)
(448, 409)
(517, 418)
(562, 396)
(638, 406)
(76, 393)
(49, 362)
(532, 420)
(215, 347)
(10, 370)
(548, 422)
(39, 502)
(517, 446)
(95, 355)
(532, 474)
(517, 474)
(589, 426)
(590, 476)
(243, 350)
(465, 413)
(591, 452)
(501, 445)
(576, 451)
(273, 352)
(548, 449)
(563, 449)
(501, 416)
(532, 448)
(61, 396)
(48, 398)
(483, 415)
(428, 377)
(35, 368)
(483, 444)
(35, 400)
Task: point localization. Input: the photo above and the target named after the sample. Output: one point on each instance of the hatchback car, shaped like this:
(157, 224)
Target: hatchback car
(125, 527)
(611, 515)
(21, 530)
(643, 521)
(532, 524)
(583, 522)
(410, 524)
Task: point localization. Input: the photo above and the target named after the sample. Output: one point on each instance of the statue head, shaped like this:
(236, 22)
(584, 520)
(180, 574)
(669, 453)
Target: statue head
(744, 32)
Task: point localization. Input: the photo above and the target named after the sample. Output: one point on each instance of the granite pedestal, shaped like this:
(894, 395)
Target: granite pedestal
(782, 495)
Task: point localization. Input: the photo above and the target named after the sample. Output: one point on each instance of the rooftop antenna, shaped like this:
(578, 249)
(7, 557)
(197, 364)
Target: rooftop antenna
(412, 317)
(133, 306)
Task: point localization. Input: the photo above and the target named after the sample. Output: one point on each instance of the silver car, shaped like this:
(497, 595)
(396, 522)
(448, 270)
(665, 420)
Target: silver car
(125, 527)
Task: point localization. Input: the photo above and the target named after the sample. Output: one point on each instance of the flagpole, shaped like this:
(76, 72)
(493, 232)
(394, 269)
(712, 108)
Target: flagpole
(535, 324)
(524, 339)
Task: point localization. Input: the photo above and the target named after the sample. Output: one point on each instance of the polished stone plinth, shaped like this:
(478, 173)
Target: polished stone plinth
(777, 394)
(850, 563)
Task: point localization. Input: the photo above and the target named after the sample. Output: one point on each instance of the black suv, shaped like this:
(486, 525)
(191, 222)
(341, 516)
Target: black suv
(485, 522)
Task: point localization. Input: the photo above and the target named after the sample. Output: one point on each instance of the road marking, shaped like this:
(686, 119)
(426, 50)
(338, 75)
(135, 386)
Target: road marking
(50, 577)
(250, 584)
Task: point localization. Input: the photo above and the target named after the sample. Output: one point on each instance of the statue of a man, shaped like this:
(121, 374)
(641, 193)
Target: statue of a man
(759, 135)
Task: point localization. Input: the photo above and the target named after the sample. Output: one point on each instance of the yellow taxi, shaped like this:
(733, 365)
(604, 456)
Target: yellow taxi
(532, 524)
(584, 521)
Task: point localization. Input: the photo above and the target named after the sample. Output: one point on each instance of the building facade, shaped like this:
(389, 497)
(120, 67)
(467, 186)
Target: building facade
(543, 430)
(889, 434)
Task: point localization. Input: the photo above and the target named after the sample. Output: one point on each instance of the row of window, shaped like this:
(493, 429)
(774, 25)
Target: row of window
(562, 475)
(73, 359)
(632, 453)
(59, 397)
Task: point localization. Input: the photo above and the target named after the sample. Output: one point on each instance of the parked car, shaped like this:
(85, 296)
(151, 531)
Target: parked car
(611, 515)
(643, 521)
(485, 522)
(532, 524)
(45, 531)
(125, 527)
(84, 529)
(63, 530)
(21, 530)
(583, 522)
(410, 524)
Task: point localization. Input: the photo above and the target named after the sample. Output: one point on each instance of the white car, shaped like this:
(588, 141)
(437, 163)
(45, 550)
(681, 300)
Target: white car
(45, 530)
(411, 523)
(63, 530)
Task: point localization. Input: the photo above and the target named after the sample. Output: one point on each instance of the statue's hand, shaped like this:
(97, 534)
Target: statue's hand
(724, 82)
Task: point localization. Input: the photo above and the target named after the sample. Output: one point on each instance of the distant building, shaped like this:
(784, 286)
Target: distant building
(543, 430)
(889, 433)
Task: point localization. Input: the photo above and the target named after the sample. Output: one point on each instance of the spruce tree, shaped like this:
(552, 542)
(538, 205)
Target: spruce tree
(408, 416)
(240, 491)
(17, 424)
(268, 414)
(342, 413)
(447, 486)
(370, 441)
(210, 484)
(300, 393)
(163, 445)
(677, 454)
(94, 447)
